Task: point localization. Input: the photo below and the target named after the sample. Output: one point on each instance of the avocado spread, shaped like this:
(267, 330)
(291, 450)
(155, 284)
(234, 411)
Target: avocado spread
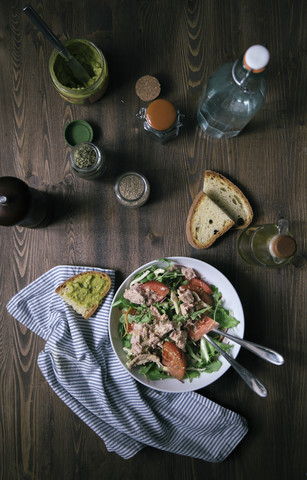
(89, 59)
(86, 291)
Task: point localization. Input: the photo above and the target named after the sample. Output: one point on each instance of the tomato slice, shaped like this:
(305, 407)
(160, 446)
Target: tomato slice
(159, 288)
(130, 327)
(174, 359)
(200, 292)
(200, 283)
(201, 327)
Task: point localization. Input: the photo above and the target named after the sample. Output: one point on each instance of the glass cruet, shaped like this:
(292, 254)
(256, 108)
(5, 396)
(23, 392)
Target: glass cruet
(270, 245)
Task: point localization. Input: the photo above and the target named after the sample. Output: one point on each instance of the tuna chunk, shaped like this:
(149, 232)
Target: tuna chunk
(142, 359)
(185, 295)
(143, 338)
(162, 328)
(188, 273)
(180, 338)
(135, 295)
(187, 298)
(157, 315)
(162, 325)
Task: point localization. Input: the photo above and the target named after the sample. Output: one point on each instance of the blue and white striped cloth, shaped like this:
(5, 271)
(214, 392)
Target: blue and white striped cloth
(79, 364)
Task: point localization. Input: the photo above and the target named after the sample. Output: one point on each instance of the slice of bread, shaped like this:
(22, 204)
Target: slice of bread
(229, 198)
(206, 222)
(85, 291)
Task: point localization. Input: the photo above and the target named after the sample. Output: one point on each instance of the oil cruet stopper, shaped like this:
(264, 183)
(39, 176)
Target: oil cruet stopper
(283, 245)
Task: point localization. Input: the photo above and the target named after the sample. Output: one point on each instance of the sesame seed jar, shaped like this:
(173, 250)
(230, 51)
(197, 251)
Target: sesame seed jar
(132, 190)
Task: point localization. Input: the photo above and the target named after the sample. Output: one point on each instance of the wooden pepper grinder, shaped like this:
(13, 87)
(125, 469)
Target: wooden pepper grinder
(23, 205)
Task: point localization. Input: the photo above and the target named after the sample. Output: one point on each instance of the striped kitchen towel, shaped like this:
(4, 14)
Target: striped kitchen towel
(79, 364)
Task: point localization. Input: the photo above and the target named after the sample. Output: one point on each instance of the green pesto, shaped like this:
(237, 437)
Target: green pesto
(87, 290)
(89, 59)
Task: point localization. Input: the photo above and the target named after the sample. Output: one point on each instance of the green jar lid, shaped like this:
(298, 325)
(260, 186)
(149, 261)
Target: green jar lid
(78, 131)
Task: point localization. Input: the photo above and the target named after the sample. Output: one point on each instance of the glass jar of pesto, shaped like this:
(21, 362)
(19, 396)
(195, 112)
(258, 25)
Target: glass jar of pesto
(94, 62)
(87, 161)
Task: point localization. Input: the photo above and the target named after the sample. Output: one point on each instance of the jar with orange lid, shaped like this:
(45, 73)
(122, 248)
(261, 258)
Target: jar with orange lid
(161, 119)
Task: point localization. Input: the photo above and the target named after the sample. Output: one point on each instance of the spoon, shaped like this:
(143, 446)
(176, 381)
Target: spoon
(250, 379)
(76, 68)
(262, 352)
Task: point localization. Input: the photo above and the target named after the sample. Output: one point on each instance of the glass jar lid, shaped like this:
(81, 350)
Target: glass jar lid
(161, 114)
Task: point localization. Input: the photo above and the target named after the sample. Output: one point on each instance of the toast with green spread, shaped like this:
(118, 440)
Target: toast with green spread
(85, 291)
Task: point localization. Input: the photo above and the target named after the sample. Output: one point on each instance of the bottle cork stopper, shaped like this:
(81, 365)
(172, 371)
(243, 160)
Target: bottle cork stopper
(147, 88)
(161, 114)
(283, 246)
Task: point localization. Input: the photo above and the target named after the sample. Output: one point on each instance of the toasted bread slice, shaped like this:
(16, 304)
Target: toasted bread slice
(84, 291)
(229, 198)
(206, 222)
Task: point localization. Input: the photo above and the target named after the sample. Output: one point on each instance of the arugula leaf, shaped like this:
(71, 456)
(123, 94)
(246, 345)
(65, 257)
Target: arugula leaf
(225, 319)
(213, 366)
(220, 314)
(152, 372)
(191, 374)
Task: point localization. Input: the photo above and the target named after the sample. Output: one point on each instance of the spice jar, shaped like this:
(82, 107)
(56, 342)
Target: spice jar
(22, 205)
(94, 62)
(87, 161)
(132, 189)
(161, 120)
(267, 245)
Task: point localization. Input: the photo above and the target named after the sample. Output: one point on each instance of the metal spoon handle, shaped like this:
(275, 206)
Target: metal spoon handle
(250, 379)
(262, 352)
(78, 71)
(44, 29)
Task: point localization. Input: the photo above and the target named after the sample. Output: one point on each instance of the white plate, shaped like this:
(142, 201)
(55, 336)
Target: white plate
(231, 302)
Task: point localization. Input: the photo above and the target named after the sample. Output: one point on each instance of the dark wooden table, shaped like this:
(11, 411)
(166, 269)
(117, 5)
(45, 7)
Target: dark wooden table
(182, 43)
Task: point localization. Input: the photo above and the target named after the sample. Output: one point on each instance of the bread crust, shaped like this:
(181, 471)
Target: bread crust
(60, 290)
(248, 211)
(200, 197)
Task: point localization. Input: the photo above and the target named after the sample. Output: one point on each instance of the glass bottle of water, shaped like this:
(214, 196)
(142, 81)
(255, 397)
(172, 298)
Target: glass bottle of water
(234, 94)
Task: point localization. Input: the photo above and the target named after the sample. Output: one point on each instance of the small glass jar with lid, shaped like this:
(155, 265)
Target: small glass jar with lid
(87, 161)
(132, 189)
(161, 120)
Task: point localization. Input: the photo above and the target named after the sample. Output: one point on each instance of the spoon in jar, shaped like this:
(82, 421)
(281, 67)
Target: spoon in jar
(250, 379)
(262, 352)
(76, 68)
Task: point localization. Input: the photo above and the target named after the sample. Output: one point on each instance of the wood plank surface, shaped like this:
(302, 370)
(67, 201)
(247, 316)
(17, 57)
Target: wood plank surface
(182, 43)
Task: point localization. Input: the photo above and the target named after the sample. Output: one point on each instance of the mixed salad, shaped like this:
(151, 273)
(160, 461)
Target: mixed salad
(165, 313)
